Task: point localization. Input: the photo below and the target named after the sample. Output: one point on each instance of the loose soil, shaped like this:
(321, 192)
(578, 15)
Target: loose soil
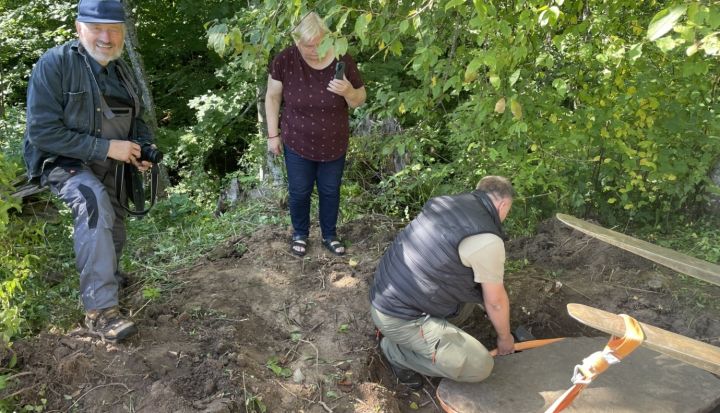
(253, 328)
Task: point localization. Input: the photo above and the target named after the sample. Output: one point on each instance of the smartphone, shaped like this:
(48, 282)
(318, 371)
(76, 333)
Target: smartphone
(339, 70)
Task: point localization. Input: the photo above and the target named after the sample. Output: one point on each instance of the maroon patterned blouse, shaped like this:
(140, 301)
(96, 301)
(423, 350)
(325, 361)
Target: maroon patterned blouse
(314, 121)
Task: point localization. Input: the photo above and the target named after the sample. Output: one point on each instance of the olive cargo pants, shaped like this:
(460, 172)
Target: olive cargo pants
(433, 347)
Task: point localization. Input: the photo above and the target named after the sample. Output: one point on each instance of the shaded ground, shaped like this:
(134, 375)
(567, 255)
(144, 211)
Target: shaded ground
(253, 328)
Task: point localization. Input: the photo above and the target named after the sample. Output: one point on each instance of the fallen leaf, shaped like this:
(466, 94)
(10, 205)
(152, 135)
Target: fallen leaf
(500, 106)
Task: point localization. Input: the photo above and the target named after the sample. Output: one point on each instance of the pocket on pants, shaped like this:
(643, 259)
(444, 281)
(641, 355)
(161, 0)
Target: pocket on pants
(450, 355)
(58, 176)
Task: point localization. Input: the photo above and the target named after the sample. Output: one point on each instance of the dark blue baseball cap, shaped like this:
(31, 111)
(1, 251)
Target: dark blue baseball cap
(100, 11)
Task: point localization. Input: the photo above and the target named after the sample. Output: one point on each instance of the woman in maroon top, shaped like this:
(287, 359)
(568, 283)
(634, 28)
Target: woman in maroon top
(315, 127)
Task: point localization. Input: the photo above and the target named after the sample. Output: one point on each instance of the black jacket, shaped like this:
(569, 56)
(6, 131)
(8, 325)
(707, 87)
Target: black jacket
(421, 272)
(63, 110)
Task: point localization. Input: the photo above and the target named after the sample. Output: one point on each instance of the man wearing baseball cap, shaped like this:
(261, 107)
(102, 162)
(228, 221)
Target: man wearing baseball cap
(84, 117)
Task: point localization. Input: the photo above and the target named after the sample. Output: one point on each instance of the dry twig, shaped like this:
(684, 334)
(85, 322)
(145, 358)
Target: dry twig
(95, 388)
(432, 399)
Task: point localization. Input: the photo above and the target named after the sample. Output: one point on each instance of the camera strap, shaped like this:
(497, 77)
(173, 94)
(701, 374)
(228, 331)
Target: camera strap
(128, 180)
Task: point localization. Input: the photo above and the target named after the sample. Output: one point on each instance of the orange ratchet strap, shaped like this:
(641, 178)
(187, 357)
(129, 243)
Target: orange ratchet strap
(615, 350)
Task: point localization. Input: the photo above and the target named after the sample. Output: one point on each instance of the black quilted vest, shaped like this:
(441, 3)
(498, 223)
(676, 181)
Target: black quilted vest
(421, 272)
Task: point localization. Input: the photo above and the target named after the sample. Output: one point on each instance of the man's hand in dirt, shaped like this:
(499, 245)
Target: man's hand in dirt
(505, 345)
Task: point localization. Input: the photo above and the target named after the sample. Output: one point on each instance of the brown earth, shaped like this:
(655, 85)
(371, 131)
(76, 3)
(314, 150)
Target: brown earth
(250, 307)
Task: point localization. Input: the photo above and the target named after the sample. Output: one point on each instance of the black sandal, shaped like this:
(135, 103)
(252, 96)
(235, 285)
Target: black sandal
(299, 246)
(334, 246)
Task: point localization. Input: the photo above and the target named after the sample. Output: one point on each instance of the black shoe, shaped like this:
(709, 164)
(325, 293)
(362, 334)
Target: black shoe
(407, 377)
(109, 325)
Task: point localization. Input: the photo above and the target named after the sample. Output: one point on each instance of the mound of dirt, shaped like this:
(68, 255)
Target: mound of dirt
(254, 328)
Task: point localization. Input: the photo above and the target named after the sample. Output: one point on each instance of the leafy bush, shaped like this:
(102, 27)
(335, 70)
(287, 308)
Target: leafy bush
(569, 99)
(27, 30)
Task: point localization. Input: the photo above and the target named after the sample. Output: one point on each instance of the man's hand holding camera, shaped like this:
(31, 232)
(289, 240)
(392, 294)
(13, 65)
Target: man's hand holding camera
(141, 155)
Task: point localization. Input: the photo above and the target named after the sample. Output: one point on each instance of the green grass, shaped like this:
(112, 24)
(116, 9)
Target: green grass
(177, 232)
(699, 238)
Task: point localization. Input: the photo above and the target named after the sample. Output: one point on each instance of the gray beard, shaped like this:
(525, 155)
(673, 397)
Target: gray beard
(101, 59)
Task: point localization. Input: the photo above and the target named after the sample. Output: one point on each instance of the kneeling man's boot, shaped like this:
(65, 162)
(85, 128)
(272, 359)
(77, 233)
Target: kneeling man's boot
(409, 378)
(109, 325)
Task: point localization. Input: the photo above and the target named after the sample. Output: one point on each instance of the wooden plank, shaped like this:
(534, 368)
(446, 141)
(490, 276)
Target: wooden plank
(687, 350)
(674, 260)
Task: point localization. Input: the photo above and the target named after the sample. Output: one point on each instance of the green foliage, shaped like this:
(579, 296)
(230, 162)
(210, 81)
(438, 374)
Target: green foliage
(698, 238)
(13, 266)
(12, 127)
(694, 24)
(274, 365)
(172, 43)
(254, 403)
(565, 97)
(27, 29)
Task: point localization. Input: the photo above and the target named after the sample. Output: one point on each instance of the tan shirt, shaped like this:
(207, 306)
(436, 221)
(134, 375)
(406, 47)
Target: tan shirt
(485, 254)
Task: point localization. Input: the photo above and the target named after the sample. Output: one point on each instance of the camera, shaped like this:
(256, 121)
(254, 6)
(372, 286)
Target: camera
(149, 153)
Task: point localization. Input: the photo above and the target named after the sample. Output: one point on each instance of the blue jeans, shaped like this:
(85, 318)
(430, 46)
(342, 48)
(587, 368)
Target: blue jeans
(303, 175)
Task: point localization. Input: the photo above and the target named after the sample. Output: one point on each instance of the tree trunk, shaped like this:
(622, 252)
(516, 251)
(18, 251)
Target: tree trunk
(131, 45)
(715, 199)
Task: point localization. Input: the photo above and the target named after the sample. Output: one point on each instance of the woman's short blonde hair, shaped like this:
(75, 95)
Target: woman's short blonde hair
(310, 27)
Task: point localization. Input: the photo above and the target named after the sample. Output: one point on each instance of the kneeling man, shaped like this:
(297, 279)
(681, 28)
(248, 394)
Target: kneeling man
(452, 253)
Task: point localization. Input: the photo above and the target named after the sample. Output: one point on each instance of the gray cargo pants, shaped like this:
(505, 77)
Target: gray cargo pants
(433, 347)
(99, 227)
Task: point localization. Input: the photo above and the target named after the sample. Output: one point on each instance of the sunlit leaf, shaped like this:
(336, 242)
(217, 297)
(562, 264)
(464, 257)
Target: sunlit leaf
(514, 77)
(471, 72)
(555, 11)
(361, 24)
(500, 106)
(216, 38)
(396, 47)
(453, 3)
(341, 46)
(666, 44)
(561, 86)
(404, 25)
(516, 109)
(635, 52)
(664, 21)
(711, 44)
(236, 40)
(494, 80)
(544, 18)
